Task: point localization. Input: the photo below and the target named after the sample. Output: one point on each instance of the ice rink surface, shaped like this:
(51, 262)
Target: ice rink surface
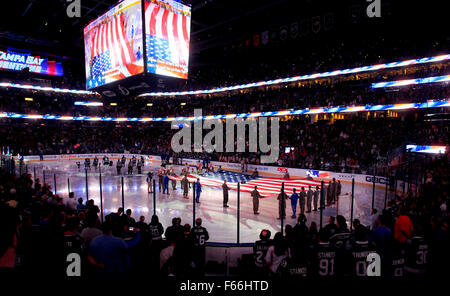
(220, 222)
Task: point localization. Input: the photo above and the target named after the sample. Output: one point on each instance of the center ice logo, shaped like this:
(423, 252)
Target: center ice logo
(213, 141)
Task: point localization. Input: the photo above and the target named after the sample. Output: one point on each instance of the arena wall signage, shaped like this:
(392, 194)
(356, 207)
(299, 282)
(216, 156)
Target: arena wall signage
(378, 180)
(17, 61)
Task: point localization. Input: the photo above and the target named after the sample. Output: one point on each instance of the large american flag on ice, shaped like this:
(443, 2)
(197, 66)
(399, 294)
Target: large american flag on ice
(267, 186)
(167, 33)
(111, 50)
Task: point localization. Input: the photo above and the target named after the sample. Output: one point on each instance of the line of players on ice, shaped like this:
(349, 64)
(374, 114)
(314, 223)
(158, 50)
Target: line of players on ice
(133, 162)
(307, 199)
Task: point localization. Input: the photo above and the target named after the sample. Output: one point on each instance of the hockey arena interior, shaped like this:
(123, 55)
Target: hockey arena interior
(224, 138)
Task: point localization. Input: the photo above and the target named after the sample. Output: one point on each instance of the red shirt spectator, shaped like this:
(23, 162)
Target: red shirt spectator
(403, 228)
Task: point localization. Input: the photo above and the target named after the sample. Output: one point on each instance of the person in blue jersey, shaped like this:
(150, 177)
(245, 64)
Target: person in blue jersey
(108, 253)
(294, 199)
(198, 190)
(166, 184)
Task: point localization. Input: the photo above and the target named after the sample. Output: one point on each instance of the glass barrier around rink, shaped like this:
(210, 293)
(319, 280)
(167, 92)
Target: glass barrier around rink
(240, 221)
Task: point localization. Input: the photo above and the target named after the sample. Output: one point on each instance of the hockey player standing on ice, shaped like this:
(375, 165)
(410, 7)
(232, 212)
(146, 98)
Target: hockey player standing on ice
(282, 204)
(118, 166)
(316, 195)
(139, 167)
(130, 168)
(256, 196)
(95, 162)
(225, 193)
(294, 199)
(87, 163)
(198, 190)
(166, 184)
(309, 196)
(199, 236)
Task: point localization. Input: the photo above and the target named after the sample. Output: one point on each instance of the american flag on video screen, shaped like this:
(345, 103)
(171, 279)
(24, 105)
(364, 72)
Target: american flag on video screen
(169, 33)
(110, 40)
(101, 63)
(266, 186)
(158, 48)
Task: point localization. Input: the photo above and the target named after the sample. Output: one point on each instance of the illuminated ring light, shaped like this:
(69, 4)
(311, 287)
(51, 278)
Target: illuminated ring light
(321, 110)
(435, 79)
(255, 84)
(304, 77)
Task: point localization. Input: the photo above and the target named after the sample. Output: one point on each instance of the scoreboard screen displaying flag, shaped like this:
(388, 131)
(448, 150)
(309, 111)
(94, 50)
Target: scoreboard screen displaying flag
(426, 149)
(167, 37)
(113, 44)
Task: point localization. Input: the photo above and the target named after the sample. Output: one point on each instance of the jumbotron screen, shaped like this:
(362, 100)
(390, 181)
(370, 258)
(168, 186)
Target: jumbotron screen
(167, 29)
(113, 44)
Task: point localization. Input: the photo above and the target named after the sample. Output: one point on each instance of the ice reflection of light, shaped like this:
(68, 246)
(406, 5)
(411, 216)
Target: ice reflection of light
(115, 199)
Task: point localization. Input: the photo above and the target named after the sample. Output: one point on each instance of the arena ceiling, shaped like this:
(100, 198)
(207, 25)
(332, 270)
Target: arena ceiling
(43, 25)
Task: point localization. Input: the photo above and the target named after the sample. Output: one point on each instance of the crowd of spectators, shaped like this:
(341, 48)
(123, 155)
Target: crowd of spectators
(320, 93)
(411, 235)
(352, 144)
(40, 229)
(306, 59)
